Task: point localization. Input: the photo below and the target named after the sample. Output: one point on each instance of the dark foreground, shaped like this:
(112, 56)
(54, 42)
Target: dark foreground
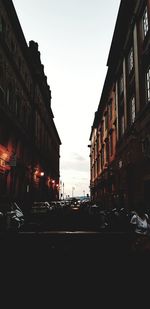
(62, 267)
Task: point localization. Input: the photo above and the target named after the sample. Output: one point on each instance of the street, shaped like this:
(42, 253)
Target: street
(53, 265)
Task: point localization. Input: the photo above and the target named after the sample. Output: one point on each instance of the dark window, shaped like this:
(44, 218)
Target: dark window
(1, 74)
(9, 95)
(111, 144)
(106, 121)
(17, 106)
(102, 157)
(122, 126)
(107, 151)
(110, 109)
(2, 26)
(1, 96)
(121, 87)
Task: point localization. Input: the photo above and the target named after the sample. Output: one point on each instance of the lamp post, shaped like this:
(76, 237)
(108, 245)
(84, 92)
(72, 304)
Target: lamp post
(73, 188)
(63, 190)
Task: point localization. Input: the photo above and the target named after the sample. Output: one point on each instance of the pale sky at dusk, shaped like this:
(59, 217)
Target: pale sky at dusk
(74, 38)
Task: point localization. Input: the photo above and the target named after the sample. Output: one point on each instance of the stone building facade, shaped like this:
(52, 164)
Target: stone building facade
(29, 141)
(120, 134)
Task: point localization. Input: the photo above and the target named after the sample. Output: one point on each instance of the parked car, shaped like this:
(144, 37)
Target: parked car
(12, 217)
(39, 215)
(94, 210)
(40, 208)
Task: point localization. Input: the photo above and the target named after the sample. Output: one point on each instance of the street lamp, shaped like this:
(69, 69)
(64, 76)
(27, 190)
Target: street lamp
(73, 188)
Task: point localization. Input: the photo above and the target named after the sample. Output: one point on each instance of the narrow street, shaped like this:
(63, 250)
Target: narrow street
(50, 264)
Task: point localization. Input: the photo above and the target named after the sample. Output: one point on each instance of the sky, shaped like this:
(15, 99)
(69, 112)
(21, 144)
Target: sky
(74, 38)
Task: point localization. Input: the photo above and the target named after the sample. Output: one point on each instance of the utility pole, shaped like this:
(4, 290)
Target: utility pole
(63, 190)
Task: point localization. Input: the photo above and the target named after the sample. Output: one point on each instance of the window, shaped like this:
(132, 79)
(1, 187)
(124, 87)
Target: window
(115, 104)
(2, 26)
(19, 63)
(148, 84)
(1, 95)
(110, 109)
(107, 151)
(145, 22)
(98, 141)
(122, 127)
(95, 169)
(121, 85)
(133, 110)
(130, 61)
(106, 121)
(1, 74)
(111, 144)
(99, 164)
(102, 131)
(9, 95)
(23, 114)
(102, 157)
(13, 47)
(17, 105)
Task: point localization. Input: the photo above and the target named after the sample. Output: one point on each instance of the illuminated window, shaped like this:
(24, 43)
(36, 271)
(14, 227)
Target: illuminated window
(130, 61)
(133, 110)
(148, 84)
(145, 22)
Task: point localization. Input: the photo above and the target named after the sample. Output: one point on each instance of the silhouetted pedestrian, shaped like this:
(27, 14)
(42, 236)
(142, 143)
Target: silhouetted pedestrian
(140, 224)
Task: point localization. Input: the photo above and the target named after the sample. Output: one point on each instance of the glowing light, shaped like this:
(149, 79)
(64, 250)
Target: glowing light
(41, 174)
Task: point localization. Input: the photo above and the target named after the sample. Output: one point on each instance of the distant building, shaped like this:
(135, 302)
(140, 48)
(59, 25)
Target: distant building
(29, 141)
(120, 134)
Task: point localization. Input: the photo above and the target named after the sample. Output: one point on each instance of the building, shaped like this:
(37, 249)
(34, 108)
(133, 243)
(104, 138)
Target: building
(120, 134)
(29, 141)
